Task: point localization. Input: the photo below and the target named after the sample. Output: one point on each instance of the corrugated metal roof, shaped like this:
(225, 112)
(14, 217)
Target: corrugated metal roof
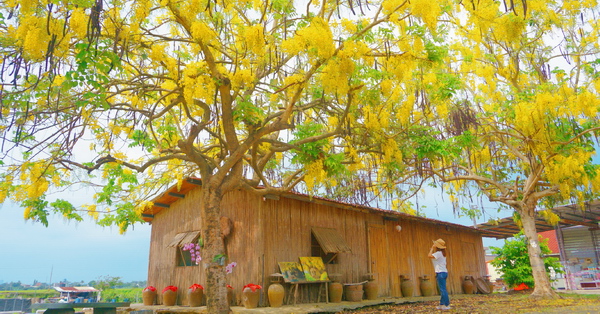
(330, 240)
(174, 193)
(76, 289)
(570, 215)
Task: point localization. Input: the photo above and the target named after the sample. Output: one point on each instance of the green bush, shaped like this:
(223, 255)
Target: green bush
(133, 295)
(513, 261)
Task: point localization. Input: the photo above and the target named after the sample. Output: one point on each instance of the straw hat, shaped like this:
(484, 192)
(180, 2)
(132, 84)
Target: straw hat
(439, 243)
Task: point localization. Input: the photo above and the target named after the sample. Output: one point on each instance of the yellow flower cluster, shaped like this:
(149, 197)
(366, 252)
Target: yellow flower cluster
(391, 153)
(336, 75)
(509, 27)
(33, 37)
(317, 39)
(197, 84)
(427, 10)
(315, 174)
(568, 170)
(35, 183)
(549, 216)
(254, 38)
(79, 22)
(92, 210)
(202, 32)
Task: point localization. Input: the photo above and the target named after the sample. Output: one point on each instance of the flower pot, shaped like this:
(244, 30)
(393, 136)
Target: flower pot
(250, 298)
(406, 287)
(195, 297)
(336, 290)
(149, 297)
(426, 286)
(354, 293)
(229, 294)
(169, 297)
(371, 290)
(275, 294)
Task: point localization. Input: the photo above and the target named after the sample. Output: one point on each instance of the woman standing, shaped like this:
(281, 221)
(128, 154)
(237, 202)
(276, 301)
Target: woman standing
(438, 256)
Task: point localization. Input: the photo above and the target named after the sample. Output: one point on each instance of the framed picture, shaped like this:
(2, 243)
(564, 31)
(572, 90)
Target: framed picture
(314, 269)
(292, 271)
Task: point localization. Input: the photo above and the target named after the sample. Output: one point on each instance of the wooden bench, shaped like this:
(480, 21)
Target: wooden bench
(69, 308)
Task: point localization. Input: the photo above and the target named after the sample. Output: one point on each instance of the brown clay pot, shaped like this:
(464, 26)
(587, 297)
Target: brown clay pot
(406, 287)
(275, 294)
(195, 297)
(468, 285)
(371, 290)
(149, 297)
(354, 293)
(169, 297)
(229, 294)
(336, 290)
(426, 286)
(250, 298)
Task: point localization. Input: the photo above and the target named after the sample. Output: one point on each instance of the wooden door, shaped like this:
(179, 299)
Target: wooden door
(379, 263)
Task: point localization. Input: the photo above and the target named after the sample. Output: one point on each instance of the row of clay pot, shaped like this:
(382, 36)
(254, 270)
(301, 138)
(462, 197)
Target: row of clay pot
(354, 293)
(169, 296)
(250, 296)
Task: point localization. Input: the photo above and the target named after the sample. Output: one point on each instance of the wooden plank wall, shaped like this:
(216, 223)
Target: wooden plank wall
(267, 231)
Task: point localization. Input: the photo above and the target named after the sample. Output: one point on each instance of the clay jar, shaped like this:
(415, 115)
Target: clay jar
(195, 294)
(468, 285)
(354, 293)
(371, 290)
(169, 295)
(251, 295)
(336, 290)
(275, 294)
(229, 294)
(406, 287)
(426, 286)
(149, 295)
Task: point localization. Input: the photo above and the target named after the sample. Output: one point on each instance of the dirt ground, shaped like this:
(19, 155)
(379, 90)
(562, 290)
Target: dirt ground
(496, 303)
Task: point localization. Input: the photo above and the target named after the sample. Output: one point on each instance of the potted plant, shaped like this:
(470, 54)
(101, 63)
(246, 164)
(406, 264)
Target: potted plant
(195, 293)
(169, 294)
(251, 295)
(149, 295)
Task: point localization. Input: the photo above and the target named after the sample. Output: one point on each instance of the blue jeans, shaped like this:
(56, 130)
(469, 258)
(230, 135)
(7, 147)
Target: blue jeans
(441, 281)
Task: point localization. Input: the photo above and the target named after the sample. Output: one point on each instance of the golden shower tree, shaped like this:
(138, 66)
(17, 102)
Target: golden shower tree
(128, 97)
(523, 129)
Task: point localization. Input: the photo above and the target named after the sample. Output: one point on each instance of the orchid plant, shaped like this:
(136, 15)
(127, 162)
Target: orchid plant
(194, 249)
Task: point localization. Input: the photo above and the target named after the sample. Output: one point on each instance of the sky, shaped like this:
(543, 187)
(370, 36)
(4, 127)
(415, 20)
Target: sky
(84, 251)
(76, 251)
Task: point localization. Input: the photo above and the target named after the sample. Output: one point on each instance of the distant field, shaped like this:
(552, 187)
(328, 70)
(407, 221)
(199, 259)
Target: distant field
(28, 294)
(131, 294)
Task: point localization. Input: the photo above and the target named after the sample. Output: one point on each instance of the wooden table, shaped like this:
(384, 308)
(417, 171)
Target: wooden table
(322, 284)
(69, 308)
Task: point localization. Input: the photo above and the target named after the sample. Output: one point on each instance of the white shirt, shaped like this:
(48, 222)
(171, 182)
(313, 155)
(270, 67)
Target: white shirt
(439, 262)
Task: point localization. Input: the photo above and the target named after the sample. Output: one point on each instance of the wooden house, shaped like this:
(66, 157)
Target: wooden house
(354, 241)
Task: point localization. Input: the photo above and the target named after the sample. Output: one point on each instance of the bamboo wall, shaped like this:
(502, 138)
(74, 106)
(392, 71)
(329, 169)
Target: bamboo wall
(267, 231)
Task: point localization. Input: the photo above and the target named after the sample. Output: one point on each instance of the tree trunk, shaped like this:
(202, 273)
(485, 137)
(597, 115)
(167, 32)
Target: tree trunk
(214, 247)
(542, 288)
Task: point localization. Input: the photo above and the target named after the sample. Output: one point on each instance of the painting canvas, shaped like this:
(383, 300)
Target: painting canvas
(292, 271)
(314, 269)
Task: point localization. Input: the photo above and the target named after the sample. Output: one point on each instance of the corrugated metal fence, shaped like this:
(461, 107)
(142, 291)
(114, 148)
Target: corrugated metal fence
(23, 305)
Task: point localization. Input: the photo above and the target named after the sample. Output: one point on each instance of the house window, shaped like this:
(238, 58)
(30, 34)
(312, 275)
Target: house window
(327, 243)
(317, 250)
(183, 256)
